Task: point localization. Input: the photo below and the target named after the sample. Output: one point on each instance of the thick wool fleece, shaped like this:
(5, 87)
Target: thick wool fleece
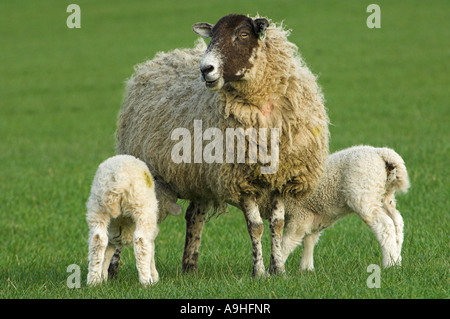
(166, 93)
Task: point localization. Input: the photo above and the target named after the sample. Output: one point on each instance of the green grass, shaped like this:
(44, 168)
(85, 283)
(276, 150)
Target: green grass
(60, 92)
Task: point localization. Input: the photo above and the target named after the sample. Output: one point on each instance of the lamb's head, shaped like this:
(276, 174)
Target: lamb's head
(232, 51)
(167, 201)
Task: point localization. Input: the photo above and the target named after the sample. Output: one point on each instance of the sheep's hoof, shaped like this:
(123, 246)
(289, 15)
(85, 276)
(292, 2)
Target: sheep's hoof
(259, 273)
(274, 270)
(113, 270)
(189, 268)
(264, 275)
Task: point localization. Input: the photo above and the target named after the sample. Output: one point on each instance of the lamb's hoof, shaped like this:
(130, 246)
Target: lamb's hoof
(94, 280)
(148, 282)
(155, 279)
(396, 264)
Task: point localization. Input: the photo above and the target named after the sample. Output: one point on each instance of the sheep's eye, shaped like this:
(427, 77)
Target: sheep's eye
(244, 35)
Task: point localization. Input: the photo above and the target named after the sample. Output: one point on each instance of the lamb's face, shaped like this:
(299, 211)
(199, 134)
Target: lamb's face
(167, 201)
(232, 51)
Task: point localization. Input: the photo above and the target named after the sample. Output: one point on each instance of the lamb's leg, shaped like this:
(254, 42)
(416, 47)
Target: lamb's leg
(293, 235)
(108, 255)
(143, 250)
(255, 228)
(307, 261)
(276, 230)
(291, 239)
(195, 219)
(394, 214)
(383, 228)
(153, 271)
(98, 240)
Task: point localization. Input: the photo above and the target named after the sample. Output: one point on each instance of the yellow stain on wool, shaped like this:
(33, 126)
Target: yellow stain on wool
(317, 130)
(148, 179)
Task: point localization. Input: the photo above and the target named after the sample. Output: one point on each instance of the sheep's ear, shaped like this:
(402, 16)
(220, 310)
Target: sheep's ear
(260, 25)
(174, 209)
(203, 29)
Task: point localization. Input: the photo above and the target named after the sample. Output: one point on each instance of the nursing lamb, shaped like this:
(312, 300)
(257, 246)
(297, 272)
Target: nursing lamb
(360, 179)
(122, 209)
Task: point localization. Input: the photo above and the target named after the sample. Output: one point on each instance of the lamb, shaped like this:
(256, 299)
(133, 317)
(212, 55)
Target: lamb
(360, 179)
(254, 82)
(122, 209)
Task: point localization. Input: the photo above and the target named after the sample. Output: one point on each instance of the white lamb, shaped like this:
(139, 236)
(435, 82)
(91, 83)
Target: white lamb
(122, 209)
(360, 179)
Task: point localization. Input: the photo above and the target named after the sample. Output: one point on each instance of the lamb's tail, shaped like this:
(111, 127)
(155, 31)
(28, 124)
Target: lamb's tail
(395, 167)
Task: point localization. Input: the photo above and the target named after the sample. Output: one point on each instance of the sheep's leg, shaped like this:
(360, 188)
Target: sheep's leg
(255, 228)
(394, 214)
(276, 231)
(383, 228)
(97, 246)
(195, 219)
(143, 251)
(113, 268)
(108, 255)
(307, 261)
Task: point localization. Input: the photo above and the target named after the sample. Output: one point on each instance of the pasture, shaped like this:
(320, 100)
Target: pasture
(61, 90)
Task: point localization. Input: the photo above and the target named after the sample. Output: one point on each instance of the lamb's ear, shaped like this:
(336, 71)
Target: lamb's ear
(260, 25)
(174, 209)
(203, 29)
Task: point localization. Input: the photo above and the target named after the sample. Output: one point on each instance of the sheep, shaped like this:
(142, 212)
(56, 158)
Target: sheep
(249, 79)
(122, 209)
(360, 179)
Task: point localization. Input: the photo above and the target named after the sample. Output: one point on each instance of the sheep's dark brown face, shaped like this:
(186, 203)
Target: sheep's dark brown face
(232, 51)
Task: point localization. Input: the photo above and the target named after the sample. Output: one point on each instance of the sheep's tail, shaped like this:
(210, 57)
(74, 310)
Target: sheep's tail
(397, 178)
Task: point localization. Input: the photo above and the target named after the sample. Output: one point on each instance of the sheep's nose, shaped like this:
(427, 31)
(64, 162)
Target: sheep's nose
(207, 69)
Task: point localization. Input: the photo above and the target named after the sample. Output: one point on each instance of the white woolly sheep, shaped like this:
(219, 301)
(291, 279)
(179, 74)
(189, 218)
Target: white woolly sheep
(122, 209)
(360, 179)
(253, 78)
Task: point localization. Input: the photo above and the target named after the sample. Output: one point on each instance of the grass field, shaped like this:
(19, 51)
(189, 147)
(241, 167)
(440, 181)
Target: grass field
(60, 92)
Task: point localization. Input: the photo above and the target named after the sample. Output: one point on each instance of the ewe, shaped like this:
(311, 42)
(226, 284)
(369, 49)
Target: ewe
(252, 79)
(122, 209)
(360, 179)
